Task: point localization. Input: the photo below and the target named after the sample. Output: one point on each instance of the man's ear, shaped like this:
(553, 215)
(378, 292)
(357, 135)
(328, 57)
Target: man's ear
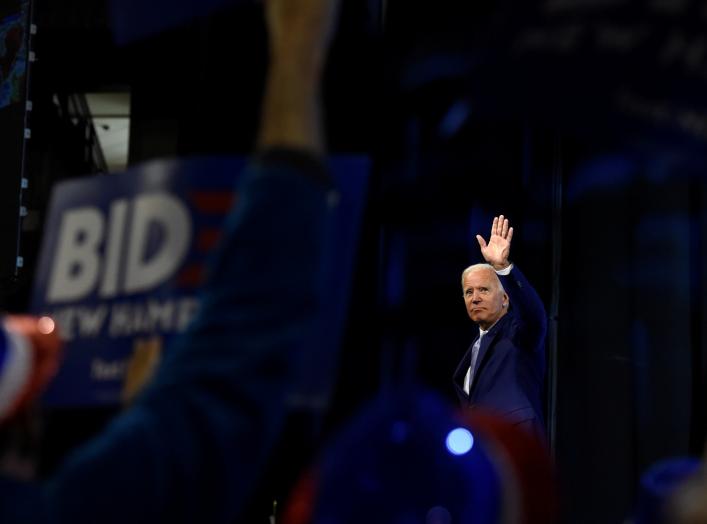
(506, 302)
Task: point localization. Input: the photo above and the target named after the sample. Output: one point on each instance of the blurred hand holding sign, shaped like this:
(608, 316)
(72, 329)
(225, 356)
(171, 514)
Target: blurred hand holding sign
(123, 258)
(141, 366)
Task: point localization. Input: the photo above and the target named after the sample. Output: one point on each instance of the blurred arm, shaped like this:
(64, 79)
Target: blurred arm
(192, 446)
(300, 33)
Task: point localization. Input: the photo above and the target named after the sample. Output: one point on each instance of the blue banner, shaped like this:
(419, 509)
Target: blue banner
(124, 255)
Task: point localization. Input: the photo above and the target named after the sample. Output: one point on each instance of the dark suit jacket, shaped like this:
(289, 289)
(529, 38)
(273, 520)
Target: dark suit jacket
(510, 367)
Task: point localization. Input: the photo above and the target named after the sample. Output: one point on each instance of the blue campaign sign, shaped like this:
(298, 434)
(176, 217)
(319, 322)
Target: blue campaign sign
(124, 255)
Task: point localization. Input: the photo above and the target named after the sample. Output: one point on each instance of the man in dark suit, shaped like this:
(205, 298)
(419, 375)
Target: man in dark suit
(504, 368)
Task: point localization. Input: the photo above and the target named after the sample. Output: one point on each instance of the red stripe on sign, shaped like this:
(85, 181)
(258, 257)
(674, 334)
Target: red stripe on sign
(207, 239)
(219, 202)
(191, 276)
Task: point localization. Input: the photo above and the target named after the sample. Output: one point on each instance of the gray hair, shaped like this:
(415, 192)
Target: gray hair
(475, 267)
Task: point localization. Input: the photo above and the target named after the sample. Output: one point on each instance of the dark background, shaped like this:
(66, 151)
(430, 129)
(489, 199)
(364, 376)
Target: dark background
(12, 125)
(585, 125)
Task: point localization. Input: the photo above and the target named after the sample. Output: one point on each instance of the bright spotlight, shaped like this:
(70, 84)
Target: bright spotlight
(460, 441)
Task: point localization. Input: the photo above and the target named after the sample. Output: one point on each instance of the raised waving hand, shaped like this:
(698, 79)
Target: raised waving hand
(498, 248)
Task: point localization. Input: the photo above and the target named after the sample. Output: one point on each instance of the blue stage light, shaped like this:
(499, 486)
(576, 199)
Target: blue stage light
(460, 441)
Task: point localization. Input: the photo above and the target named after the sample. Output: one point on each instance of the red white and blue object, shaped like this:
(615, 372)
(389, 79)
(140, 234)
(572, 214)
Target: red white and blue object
(30, 350)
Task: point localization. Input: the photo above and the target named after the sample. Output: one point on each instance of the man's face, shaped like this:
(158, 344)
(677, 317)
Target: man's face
(485, 300)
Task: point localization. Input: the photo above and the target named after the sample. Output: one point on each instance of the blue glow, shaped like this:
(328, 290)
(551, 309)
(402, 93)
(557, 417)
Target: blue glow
(460, 441)
(399, 432)
(453, 121)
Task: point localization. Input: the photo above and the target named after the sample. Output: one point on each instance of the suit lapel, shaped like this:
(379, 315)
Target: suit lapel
(486, 344)
(483, 351)
(460, 372)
